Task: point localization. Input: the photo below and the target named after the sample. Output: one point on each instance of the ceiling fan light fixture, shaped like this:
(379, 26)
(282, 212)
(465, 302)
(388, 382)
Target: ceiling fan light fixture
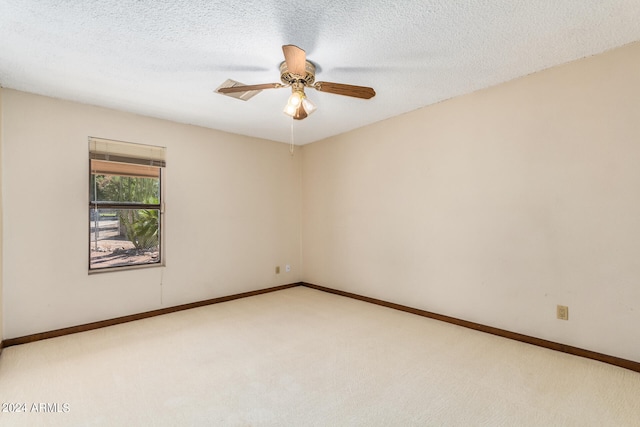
(296, 98)
(290, 110)
(308, 106)
(299, 106)
(300, 113)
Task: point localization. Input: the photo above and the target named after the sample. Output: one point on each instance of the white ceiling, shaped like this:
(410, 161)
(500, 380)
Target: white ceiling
(165, 58)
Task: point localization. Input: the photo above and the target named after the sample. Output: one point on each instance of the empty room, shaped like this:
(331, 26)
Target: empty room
(322, 213)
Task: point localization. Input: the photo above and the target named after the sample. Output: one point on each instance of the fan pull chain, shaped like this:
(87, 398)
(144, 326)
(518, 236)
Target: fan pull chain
(292, 143)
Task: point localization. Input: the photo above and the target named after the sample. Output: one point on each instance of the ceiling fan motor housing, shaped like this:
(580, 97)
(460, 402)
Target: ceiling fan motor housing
(289, 78)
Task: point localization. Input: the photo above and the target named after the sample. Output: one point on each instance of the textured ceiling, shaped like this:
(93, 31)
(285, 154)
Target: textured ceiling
(165, 58)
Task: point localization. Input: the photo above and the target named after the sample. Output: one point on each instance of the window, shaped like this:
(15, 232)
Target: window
(125, 204)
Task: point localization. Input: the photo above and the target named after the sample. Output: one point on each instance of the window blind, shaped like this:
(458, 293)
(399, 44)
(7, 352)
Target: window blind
(125, 152)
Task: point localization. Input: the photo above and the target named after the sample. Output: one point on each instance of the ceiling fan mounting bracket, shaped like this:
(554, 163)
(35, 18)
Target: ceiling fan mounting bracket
(289, 78)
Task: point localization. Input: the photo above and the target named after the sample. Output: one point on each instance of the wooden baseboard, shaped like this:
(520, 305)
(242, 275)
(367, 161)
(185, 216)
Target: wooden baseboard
(132, 317)
(623, 363)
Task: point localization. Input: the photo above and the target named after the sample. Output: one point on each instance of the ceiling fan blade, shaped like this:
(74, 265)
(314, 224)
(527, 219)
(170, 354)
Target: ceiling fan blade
(295, 59)
(246, 88)
(346, 90)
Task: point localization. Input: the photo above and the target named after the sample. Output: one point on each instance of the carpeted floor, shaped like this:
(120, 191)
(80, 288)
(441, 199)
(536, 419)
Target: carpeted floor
(302, 357)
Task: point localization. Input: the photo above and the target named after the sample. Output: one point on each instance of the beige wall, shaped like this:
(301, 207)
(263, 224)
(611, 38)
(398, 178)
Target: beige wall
(232, 215)
(1, 238)
(494, 207)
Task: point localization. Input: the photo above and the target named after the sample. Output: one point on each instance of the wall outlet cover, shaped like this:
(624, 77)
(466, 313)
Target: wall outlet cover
(562, 312)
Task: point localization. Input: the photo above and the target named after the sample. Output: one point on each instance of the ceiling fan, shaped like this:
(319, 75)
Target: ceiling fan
(297, 73)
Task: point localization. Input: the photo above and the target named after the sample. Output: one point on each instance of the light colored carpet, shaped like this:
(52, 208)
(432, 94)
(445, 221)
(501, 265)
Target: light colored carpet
(302, 357)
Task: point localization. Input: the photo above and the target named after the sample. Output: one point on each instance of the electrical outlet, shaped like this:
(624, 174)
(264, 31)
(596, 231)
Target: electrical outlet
(277, 269)
(287, 268)
(562, 312)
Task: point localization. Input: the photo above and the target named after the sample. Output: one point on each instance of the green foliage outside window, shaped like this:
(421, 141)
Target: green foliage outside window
(140, 226)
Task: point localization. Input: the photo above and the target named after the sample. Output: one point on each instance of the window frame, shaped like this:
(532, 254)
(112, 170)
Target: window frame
(95, 205)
